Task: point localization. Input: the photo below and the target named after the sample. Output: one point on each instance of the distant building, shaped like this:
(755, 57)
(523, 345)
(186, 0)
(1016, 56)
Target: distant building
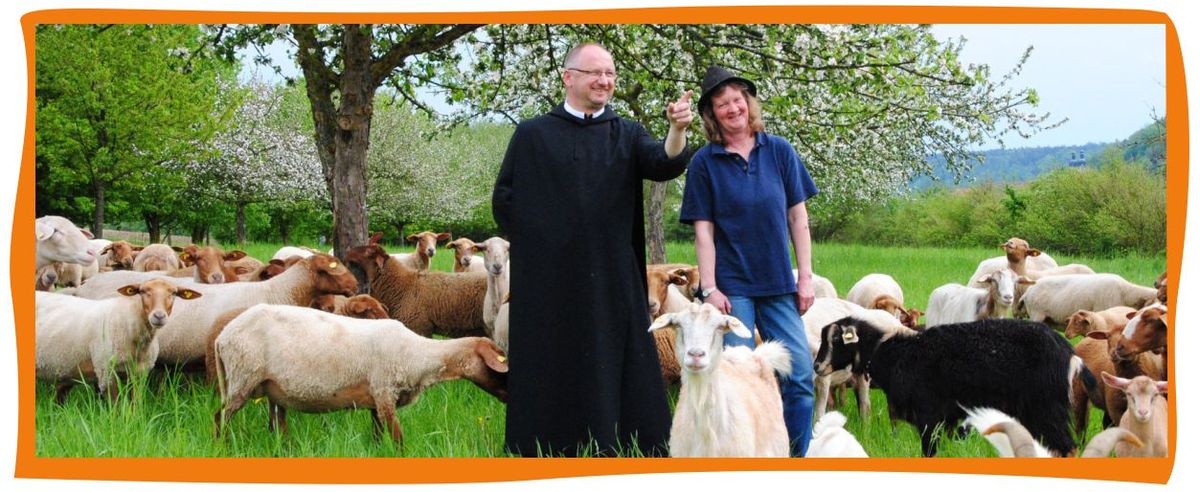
(1077, 159)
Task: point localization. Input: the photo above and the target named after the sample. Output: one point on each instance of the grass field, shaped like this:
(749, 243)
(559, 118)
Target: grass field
(170, 414)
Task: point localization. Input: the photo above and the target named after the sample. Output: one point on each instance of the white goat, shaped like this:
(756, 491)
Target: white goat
(830, 439)
(956, 303)
(729, 402)
(1146, 416)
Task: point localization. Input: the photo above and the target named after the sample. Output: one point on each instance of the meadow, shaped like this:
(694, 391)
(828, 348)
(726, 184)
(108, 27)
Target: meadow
(170, 414)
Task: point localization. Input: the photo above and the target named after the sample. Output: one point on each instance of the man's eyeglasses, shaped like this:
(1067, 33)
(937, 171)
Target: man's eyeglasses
(597, 73)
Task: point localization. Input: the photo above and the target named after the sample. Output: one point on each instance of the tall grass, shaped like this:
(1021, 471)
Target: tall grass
(171, 414)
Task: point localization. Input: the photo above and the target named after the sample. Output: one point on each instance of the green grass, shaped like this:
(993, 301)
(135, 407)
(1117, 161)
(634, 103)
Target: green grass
(172, 412)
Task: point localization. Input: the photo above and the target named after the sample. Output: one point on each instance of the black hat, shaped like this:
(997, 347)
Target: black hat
(716, 77)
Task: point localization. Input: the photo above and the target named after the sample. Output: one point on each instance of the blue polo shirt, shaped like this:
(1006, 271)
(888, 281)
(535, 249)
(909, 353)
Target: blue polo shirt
(747, 202)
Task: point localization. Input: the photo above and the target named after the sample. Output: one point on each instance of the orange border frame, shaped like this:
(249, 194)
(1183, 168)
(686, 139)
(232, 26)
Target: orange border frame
(430, 470)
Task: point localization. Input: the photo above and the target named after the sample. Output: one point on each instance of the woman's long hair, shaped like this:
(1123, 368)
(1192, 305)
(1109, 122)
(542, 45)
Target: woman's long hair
(712, 128)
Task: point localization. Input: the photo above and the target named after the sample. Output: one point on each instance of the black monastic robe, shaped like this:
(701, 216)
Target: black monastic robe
(582, 369)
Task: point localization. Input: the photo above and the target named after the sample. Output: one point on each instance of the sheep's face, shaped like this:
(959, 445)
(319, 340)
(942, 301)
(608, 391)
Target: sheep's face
(1017, 249)
(210, 262)
(839, 347)
(331, 276)
(1081, 323)
(1146, 330)
(365, 307)
(657, 284)
(1140, 392)
(889, 304)
(59, 240)
(273, 268)
(365, 262)
(120, 255)
(481, 362)
(463, 250)
(158, 299)
(700, 335)
(495, 254)
(427, 242)
(910, 317)
(327, 303)
(47, 277)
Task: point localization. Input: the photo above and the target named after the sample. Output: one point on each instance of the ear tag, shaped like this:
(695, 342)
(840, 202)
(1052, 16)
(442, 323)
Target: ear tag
(849, 337)
(502, 358)
(333, 265)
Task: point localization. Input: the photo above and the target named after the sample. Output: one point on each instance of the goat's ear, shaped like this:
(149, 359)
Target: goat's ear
(235, 255)
(186, 294)
(1113, 381)
(735, 326)
(678, 279)
(443, 236)
(663, 322)
(1098, 335)
(1161, 385)
(44, 231)
(1025, 280)
(984, 278)
(849, 335)
(1033, 252)
(492, 355)
(130, 290)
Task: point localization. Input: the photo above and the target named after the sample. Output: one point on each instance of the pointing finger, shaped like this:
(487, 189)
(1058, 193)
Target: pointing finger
(686, 98)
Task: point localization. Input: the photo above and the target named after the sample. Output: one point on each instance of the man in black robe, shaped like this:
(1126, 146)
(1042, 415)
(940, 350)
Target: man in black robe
(583, 375)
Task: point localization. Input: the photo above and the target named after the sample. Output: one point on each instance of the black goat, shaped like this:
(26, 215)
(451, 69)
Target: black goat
(1022, 368)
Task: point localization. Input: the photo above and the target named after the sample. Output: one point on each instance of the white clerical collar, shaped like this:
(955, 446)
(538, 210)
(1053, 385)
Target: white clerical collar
(579, 114)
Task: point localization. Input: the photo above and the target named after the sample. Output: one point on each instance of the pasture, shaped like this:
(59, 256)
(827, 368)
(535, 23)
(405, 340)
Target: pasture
(170, 413)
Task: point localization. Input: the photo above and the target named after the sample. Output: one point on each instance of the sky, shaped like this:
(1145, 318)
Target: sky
(1107, 80)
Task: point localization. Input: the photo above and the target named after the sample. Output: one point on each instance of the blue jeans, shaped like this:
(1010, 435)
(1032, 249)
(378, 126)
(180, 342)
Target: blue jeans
(778, 319)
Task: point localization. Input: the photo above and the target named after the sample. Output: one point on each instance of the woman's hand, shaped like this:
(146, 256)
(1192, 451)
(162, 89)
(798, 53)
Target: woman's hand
(719, 301)
(804, 294)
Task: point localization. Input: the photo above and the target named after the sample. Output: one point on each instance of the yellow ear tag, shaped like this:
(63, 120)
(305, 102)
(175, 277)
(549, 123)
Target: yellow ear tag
(502, 358)
(333, 265)
(41, 236)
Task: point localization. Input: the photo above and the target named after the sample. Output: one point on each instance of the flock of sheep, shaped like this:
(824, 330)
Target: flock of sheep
(282, 330)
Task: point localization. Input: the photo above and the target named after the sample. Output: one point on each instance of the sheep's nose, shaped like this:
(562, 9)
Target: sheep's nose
(431, 251)
(697, 353)
(654, 308)
(158, 318)
(217, 278)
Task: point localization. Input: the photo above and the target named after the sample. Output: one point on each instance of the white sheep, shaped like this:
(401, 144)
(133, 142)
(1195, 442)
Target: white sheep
(59, 240)
(822, 287)
(74, 274)
(830, 439)
(425, 247)
(1146, 417)
(1083, 321)
(94, 338)
(956, 303)
(729, 402)
(182, 340)
(157, 257)
(872, 286)
(314, 361)
(1055, 299)
(465, 259)
(290, 251)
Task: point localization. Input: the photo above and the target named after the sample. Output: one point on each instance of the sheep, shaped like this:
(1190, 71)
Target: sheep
(1147, 415)
(155, 257)
(662, 298)
(268, 270)
(289, 251)
(313, 361)
(182, 340)
(96, 337)
(59, 240)
(424, 250)
(1100, 352)
(831, 440)
(495, 261)
(956, 303)
(1018, 257)
(500, 333)
(729, 402)
(691, 272)
(1161, 284)
(120, 254)
(47, 277)
(464, 255)
(73, 274)
(1145, 331)
(361, 306)
(1054, 299)
(1084, 321)
(872, 286)
(449, 304)
(209, 264)
(1018, 367)
(822, 287)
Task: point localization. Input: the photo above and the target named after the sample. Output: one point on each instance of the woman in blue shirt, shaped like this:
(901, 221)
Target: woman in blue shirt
(745, 198)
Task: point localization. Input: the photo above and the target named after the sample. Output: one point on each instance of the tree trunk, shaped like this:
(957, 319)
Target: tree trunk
(400, 230)
(285, 229)
(199, 231)
(655, 237)
(153, 226)
(241, 223)
(98, 214)
(352, 142)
